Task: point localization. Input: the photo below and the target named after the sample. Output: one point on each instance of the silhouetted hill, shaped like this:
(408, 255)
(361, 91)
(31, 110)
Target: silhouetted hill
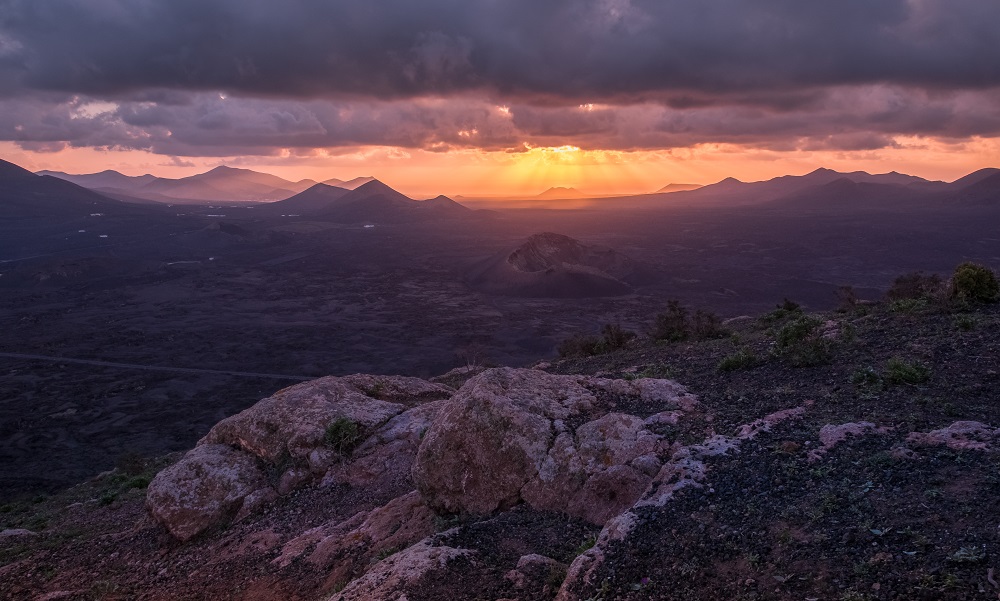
(105, 179)
(973, 178)
(844, 193)
(24, 194)
(731, 191)
(225, 184)
(560, 193)
(551, 265)
(221, 184)
(350, 184)
(314, 200)
(669, 188)
(984, 190)
(375, 202)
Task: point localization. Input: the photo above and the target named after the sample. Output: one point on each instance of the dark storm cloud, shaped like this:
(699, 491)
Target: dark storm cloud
(562, 49)
(231, 77)
(209, 124)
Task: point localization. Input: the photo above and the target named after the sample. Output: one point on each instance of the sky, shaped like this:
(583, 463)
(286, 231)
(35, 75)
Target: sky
(502, 97)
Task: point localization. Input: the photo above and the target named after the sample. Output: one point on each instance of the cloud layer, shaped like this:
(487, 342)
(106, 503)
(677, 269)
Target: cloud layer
(227, 77)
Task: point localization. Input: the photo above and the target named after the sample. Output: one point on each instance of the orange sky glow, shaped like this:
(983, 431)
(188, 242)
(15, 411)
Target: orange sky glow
(474, 172)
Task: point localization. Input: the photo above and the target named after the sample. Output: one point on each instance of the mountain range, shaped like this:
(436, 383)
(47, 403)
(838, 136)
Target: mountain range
(372, 202)
(331, 199)
(221, 184)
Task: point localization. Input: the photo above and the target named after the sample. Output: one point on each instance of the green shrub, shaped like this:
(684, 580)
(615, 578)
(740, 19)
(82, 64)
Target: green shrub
(847, 299)
(898, 371)
(915, 285)
(343, 435)
(672, 325)
(908, 305)
(866, 377)
(799, 341)
(579, 345)
(974, 283)
(614, 337)
(965, 323)
(787, 308)
(677, 324)
(741, 359)
(810, 352)
(797, 331)
(707, 325)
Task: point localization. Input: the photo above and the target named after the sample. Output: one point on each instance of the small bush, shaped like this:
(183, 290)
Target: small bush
(787, 308)
(965, 323)
(866, 377)
(614, 337)
(908, 305)
(706, 325)
(799, 341)
(677, 324)
(742, 359)
(847, 299)
(974, 283)
(343, 435)
(915, 285)
(579, 345)
(898, 371)
(810, 353)
(797, 331)
(672, 325)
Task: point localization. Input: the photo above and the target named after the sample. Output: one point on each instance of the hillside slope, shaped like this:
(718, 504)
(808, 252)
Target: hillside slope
(847, 455)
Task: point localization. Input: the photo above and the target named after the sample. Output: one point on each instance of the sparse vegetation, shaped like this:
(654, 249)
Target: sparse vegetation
(800, 342)
(613, 337)
(741, 359)
(973, 283)
(579, 345)
(672, 325)
(847, 299)
(343, 434)
(898, 371)
(787, 308)
(677, 324)
(915, 285)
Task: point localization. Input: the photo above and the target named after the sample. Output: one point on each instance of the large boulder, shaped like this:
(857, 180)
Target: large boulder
(385, 458)
(555, 442)
(210, 484)
(280, 444)
(293, 422)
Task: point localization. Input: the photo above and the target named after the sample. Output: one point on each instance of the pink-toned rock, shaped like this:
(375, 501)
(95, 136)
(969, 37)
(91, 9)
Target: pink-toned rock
(831, 435)
(399, 389)
(503, 438)
(346, 549)
(590, 475)
(534, 571)
(207, 486)
(959, 436)
(293, 421)
(581, 571)
(385, 458)
(764, 424)
(390, 578)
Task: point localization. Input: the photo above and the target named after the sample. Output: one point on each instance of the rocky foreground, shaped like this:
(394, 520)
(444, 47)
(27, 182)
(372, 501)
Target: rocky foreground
(822, 481)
